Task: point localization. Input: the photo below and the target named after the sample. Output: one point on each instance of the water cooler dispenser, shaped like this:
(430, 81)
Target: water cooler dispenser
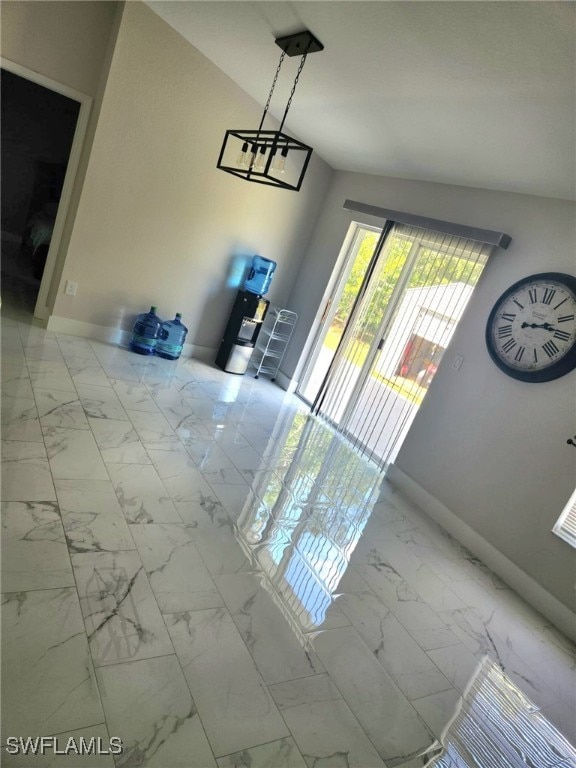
(246, 318)
(241, 333)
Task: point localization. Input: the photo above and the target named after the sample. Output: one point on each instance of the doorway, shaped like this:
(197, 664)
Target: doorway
(397, 304)
(42, 130)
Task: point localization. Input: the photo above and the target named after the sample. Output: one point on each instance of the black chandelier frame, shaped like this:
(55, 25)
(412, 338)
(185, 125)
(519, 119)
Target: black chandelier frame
(277, 142)
(273, 144)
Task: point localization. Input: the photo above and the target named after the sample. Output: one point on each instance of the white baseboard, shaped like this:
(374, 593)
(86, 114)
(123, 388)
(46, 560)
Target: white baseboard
(534, 594)
(88, 330)
(290, 385)
(205, 354)
(118, 336)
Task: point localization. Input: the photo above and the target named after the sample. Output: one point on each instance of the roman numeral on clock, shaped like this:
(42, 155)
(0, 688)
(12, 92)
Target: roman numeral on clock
(519, 353)
(532, 295)
(510, 344)
(565, 318)
(504, 330)
(562, 335)
(508, 316)
(549, 294)
(550, 348)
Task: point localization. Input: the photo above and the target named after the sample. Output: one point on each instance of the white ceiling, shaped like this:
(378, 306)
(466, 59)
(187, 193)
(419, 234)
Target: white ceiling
(474, 93)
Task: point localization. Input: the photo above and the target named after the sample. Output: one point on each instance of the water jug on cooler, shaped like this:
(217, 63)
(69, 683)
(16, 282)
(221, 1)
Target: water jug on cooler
(259, 276)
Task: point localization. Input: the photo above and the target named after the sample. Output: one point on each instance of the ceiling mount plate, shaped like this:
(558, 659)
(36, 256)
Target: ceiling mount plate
(299, 43)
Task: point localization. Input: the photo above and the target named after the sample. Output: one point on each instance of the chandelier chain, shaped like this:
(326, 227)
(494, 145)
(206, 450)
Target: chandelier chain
(282, 55)
(300, 68)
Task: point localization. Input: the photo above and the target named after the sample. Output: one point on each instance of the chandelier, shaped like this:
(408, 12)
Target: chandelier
(272, 157)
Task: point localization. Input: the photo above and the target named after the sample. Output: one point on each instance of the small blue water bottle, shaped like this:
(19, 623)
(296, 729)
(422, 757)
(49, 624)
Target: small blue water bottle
(171, 338)
(145, 333)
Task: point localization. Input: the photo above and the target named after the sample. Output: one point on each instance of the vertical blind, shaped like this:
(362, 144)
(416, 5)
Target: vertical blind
(407, 309)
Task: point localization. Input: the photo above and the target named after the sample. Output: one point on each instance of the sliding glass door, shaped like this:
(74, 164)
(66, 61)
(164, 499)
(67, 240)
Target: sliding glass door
(360, 255)
(401, 319)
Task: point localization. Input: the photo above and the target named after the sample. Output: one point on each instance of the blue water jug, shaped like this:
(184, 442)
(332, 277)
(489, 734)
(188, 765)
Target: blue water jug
(145, 332)
(260, 275)
(171, 338)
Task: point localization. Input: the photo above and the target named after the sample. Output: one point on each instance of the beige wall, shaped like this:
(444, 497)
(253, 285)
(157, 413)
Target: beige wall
(491, 449)
(65, 41)
(157, 223)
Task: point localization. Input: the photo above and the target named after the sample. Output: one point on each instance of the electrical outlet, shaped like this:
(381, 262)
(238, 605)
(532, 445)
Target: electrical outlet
(71, 288)
(457, 362)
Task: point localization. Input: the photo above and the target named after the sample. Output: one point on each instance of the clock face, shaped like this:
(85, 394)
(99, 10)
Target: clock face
(531, 331)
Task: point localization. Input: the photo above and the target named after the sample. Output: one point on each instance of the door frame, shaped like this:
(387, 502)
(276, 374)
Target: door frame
(340, 273)
(42, 310)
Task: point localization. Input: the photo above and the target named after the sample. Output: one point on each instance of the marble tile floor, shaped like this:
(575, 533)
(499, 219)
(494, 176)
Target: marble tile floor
(193, 564)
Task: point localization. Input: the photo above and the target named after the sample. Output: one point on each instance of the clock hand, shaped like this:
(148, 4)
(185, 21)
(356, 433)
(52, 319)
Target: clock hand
(546, 326)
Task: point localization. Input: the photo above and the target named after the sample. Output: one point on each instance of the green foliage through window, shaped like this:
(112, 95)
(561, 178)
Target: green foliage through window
(432, 267)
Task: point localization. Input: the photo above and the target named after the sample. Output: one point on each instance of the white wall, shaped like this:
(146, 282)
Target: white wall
(157, 222)
(65, 41)
(491, 449)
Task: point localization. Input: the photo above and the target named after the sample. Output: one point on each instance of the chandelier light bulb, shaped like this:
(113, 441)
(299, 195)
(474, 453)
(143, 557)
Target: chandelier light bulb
(260, 160)
(252, 155)
(243, 156)
(279, 162)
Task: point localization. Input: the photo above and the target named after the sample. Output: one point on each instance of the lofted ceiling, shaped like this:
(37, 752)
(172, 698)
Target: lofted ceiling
(480, 94)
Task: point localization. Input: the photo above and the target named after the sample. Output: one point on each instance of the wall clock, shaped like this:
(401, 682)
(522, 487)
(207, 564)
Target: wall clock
(531, 331)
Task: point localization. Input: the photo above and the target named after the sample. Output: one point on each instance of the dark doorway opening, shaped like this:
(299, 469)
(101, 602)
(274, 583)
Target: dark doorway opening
(38, 127)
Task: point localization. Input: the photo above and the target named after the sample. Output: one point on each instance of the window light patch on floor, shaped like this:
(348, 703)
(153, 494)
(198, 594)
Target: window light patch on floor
(497, 725)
